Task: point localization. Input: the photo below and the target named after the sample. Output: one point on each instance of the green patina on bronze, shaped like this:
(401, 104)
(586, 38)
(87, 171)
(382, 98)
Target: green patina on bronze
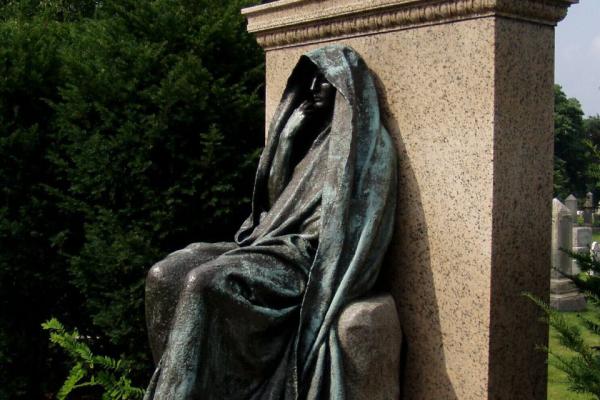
(256, 319)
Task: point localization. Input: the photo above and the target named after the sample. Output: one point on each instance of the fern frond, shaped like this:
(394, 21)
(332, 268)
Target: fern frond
(110, 374)
(109, 363)
(591, 326)
(568, 335)
(76, 374)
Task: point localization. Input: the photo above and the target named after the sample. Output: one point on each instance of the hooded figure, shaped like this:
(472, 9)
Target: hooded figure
(256, 319)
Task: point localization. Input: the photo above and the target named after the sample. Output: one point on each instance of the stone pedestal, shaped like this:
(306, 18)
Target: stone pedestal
(466, 88)
(582, 240)
(588, 216)
(371, 338)
(564, 295)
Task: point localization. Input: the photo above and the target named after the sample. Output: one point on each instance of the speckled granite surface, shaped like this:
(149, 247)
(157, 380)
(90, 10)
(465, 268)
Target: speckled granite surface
(467, 95)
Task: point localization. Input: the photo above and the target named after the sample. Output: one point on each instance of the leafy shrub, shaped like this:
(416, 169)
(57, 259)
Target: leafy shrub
(91, 370)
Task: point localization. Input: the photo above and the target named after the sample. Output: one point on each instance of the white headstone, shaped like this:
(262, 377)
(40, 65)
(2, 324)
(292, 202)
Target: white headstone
(571, 203)
(562, 231)
(564, 295)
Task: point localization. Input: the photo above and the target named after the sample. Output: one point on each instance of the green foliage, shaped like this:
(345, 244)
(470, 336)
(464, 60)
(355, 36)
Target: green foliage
(592, 129)
(576, 148)
(90, 370)
(128, 129)
(593, 168)
(569, 147)
(582, 368)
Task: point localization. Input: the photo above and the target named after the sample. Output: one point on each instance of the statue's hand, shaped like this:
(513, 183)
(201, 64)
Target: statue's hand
(307, 108)
(298, 117)
(280, 168)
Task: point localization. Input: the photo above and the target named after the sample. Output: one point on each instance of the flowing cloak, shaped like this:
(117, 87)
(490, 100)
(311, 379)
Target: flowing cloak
(296, 263)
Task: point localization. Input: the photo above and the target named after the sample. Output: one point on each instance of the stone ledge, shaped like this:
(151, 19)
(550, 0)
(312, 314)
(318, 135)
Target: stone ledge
(562, 286)
(288, 22)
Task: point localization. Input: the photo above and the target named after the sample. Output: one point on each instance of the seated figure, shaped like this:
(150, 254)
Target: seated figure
(256, 318)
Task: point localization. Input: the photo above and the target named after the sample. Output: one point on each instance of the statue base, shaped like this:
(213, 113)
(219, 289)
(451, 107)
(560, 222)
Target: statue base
(368, 331)
(564, 296)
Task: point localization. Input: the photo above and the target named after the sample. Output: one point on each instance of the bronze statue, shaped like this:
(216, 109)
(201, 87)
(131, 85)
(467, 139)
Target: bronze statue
(255, 319)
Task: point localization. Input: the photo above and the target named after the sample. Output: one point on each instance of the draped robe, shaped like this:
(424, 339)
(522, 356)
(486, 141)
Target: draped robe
(256, 318)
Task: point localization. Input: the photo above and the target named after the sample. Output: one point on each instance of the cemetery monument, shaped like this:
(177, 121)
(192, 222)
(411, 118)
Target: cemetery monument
(258, 318)
(466, 91)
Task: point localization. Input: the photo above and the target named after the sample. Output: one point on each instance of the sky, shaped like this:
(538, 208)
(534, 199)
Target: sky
(577, 67)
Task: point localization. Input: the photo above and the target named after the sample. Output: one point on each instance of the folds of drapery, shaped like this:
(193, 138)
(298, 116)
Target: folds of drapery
(358, 201)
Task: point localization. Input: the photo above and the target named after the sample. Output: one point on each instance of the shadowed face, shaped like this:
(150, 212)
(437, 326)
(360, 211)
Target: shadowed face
(323, 92)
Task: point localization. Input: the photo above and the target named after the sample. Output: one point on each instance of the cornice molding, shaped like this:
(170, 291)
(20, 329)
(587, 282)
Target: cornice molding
(288, 22)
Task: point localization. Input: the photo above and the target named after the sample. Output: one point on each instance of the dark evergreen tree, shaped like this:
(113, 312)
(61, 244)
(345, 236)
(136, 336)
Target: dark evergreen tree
(33, 274)
(128, 129)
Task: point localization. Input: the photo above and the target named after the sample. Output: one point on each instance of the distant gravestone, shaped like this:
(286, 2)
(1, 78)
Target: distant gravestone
(562, 231)
(595, 251)
(571, 203)
(582, 239)
(588, 209)
(564, 295)
(589, 200)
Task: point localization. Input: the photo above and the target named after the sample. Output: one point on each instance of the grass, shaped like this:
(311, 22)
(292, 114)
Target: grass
(557, 380)
(596, 237)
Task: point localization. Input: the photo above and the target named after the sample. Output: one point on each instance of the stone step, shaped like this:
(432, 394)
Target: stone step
(562, 286)
(568, 302)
